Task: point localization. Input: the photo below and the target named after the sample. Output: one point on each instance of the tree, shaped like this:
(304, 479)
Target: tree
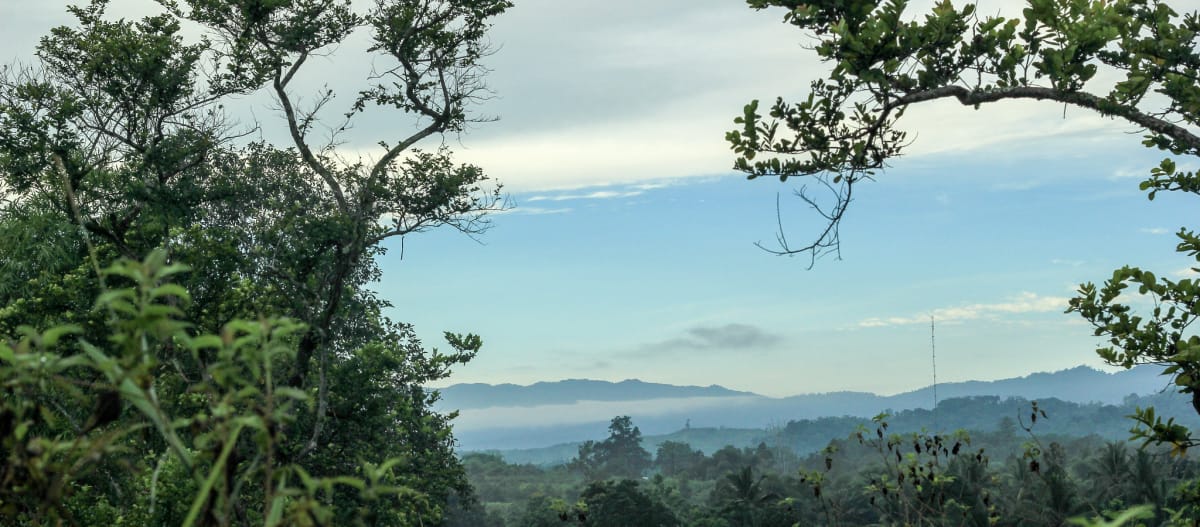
(884, 62)
(541, 511)
(1108, 473)
(675, 458)
(744, 496)
(622, 503)
(116, 147)
(619, 456)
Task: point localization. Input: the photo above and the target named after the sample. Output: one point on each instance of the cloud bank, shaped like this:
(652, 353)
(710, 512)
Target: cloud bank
(727, 337)
(1024, 303)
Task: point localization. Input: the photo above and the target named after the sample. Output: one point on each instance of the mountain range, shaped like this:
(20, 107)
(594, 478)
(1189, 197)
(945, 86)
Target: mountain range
(508, 416)
(479, 395)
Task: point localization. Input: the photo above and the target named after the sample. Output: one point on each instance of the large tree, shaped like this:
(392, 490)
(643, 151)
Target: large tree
(884, 60)
(620, 455)
(115, 145)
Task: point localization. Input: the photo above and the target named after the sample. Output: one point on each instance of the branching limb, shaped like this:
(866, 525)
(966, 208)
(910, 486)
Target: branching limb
(829, 240)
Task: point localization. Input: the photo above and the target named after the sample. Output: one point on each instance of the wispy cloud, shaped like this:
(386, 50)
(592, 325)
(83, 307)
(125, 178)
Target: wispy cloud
(1154, 230)
(728, 337)
(652, 186)
(1023, 303)
(1143, 172)
(1130, 173)
(540, 210)
(1186, 272)
(599, 194)
(1061, 261)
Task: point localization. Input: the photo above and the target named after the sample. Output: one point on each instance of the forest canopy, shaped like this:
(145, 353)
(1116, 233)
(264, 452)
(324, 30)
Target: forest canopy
(193, 339)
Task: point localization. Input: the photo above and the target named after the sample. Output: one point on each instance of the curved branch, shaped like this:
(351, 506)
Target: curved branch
(1081, 99)
(829, 241)
(285, 102)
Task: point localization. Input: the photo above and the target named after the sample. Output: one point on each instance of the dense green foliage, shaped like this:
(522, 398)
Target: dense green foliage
(230, 367)
(1011, 474)
(885, 61)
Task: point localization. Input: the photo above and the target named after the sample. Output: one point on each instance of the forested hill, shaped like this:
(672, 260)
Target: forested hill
(1080, 384)
(520, 417)
(976, 414)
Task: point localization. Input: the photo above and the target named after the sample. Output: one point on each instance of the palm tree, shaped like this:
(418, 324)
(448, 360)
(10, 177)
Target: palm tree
(746, 496)
(1148, 481)
(1109, 474)
(1059, 494)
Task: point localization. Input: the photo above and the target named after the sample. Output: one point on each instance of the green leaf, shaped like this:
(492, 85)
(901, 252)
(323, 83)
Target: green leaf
(275, 514)
(218, 468)
(52, 335)
(292, 393)
(175, 290)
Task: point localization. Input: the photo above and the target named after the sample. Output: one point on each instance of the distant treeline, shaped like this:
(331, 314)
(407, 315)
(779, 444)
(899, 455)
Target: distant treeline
(991, 413)
(978, 413)
(1024, 463)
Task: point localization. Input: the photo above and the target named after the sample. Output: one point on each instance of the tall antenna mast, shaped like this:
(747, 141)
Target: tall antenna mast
(933, 357)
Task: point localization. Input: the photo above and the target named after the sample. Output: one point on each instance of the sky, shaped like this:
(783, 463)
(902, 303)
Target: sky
(629, 248)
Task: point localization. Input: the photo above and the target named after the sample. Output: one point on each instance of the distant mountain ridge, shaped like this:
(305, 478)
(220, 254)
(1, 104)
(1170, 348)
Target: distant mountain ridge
(509, 416)
(480, 395)
(1081, 384)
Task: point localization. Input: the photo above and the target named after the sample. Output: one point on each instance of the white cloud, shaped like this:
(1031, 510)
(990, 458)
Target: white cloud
(1036, 127)
(1186, 272)
(655, 185)
(1130, 173)
(683, 137)
(1153, 230)
(599, 194)
(1024, 303)
(588, 96)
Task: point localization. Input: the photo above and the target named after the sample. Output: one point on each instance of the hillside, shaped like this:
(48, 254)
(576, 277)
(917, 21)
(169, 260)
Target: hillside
(979, 414)
(512, 417)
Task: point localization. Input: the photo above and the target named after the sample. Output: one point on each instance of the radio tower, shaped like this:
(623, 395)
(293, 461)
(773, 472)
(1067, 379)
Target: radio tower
(933, 357)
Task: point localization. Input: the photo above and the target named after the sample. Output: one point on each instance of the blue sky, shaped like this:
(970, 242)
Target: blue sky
(664, 283)
(629, 252)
